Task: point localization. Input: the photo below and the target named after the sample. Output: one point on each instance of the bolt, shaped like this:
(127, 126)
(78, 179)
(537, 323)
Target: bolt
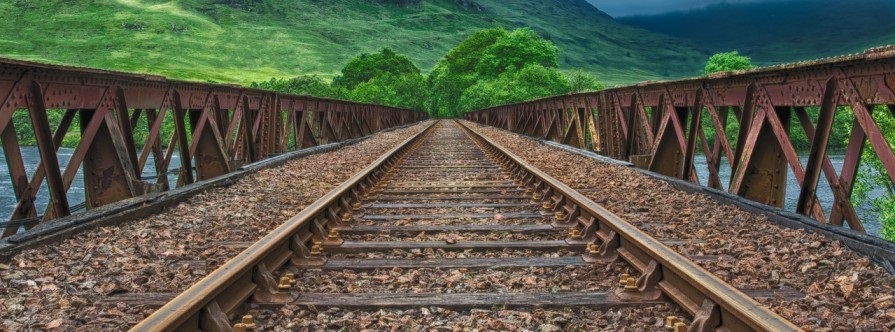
(316, 250)
(537, 197)
(623, 279)
(546, 205)
(559, 215)
(346, 217)
(249, 322)
(333, 235)
(355, 206)
(670, 321)
(680, 327)
(285, 284)
(593, 249)
(630, 284)
(239, 327)
(291, 277)
(575, 234)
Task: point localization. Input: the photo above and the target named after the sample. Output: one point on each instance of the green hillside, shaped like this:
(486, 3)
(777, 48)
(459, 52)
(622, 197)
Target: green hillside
(781, 31)
(240, 41)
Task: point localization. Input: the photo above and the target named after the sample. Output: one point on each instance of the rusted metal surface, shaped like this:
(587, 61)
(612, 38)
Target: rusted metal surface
(314, 239)
(217, 128)
(659, 126)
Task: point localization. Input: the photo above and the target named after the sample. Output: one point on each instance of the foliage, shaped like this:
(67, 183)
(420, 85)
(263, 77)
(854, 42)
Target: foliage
(582, 81)
(727, 61)
(532, 81)
(873, 176)
(496, 66)
(516, 50)
(369, 66)
(405, 91)
(253, 40)
(312, 85)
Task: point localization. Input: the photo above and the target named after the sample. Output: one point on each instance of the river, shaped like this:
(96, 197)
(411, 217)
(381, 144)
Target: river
(76, 192)
(31, 156)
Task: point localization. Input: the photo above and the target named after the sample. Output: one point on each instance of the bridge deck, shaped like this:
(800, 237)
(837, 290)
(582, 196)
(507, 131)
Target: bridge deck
(95, 273)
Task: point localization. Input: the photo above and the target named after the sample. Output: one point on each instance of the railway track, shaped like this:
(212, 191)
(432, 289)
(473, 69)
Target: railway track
(450, 220)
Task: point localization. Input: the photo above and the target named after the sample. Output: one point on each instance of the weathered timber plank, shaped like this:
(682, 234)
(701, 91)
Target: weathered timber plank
(368, 246)
(444, 205)
(593, 300)
(451, 216)
(448, 228)
(446, 263)
(451, 190)
(473, 198)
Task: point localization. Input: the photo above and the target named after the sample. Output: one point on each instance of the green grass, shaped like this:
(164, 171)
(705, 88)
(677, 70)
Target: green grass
(777, 32)
(202, 41)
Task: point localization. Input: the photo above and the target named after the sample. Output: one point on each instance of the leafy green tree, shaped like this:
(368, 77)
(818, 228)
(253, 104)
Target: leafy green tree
(369, 66)
(405, 91)
(494, 60)
(464, 58)
(312, 85)
(727, 61)
(515, 51)
(872, 175)
(531, 82)
(581, 81)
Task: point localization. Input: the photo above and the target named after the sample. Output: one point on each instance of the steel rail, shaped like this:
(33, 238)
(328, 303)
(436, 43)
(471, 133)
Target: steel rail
(205, 305)
(714, 303)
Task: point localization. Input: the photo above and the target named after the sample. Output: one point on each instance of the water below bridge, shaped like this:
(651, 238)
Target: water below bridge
(76, 192)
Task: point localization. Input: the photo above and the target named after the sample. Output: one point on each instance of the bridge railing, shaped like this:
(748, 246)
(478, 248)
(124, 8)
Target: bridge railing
(663, 127)
(216, 129)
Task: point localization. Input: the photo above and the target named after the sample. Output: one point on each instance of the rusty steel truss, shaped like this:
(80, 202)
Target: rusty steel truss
(217, 128)
(659, 126)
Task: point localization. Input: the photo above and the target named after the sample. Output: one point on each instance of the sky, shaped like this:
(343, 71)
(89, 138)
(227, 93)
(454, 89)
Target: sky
(618, 8)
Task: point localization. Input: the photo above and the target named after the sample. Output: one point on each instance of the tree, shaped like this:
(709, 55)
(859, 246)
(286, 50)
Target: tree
(311, 85)
(533, 81)
(368, 66)
(405, 91)
(581, 81)
(515, 51)
(872, 176)
(494, 60)
(727, 61)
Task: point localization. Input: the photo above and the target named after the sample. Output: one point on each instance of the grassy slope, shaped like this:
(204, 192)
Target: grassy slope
(782, 31)
(198, 40)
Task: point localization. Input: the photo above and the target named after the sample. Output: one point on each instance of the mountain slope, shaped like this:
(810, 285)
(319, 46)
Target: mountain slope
(240, 41)
(781, 31)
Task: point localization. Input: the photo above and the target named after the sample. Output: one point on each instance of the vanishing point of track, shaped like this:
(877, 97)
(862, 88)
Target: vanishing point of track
(450, 199)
